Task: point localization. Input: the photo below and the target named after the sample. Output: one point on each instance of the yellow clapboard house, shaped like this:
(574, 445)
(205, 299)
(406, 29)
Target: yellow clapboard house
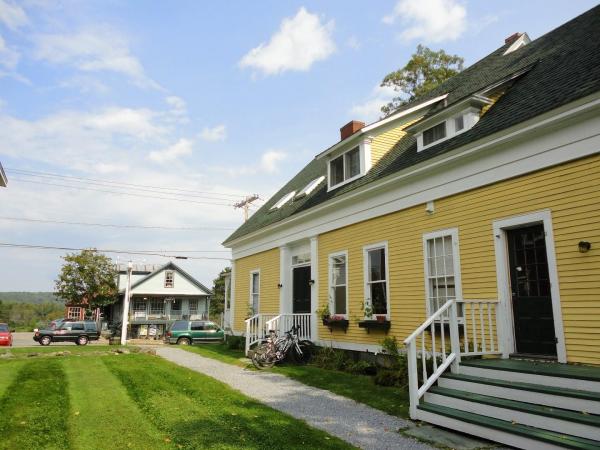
(467, 225)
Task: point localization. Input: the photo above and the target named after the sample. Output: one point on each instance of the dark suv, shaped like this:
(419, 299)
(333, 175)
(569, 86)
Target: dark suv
(80, 332)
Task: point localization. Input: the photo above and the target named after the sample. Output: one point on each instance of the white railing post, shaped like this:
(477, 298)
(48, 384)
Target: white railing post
(413, 380)
(454, 337)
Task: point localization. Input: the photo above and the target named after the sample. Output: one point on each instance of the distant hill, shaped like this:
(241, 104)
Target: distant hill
(28, 297)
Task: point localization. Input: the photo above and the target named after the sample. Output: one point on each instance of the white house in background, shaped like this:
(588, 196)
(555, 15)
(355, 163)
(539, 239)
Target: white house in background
(159, 296)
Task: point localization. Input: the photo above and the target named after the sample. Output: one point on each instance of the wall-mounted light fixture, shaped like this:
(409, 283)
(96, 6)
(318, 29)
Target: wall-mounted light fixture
(279, 285)
(430, 207)
(584, 246)
(311, 282)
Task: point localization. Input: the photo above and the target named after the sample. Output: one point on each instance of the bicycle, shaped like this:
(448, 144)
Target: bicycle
(275, 349)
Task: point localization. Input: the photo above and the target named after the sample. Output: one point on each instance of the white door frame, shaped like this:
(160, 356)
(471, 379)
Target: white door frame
(506, 325)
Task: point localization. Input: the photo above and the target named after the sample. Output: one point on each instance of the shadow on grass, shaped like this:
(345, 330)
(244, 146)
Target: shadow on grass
(35, 408)
(196, 411)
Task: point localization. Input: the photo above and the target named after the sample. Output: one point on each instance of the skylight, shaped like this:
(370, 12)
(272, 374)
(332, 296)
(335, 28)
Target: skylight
(310, 187)
(286, 198)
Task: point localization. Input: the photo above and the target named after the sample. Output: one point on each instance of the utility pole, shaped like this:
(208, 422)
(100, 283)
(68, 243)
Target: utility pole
(245, 204)
(126, 299)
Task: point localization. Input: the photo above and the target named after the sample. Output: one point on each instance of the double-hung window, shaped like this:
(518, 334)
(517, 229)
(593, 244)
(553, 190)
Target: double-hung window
(376, 278)
(157, 307)
(344, 167)
(255, 291)
(169, 279)
(338, 287)
(442, 269)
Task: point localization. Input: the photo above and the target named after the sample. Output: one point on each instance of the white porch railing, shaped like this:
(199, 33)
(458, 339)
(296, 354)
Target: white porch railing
(480, 334)
(256, 329)
(444, 350)
(284, 322)
(259, 325)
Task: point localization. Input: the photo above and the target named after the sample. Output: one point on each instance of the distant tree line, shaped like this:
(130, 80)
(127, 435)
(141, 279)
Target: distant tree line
(27, 316)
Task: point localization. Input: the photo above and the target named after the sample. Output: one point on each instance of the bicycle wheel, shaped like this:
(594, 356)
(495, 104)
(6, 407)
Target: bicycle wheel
(302, 353)
(261, 357)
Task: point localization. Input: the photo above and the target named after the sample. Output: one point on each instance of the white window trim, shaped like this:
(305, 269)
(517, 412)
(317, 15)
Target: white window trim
(343, 253)
(283, 200)
(364, 152)
(172, 272)
(470, 118)
(453, 232)
(367, 292)
(309, 187)
(250, 299)
(500, 227)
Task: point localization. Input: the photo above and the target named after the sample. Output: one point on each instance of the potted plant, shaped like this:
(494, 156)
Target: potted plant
(324, 313)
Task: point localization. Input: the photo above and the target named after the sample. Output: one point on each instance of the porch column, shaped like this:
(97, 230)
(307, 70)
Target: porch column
(285, 292)
(314, 288)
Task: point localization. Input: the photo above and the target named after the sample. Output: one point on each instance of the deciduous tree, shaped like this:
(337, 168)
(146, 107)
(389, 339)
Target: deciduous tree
(88, 277)
(217, 302)
(425, 70)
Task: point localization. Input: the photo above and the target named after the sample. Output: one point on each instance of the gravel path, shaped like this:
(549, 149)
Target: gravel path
(356, 423)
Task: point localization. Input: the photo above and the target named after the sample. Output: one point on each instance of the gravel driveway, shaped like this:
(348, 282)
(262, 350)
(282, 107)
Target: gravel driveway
(355, 423)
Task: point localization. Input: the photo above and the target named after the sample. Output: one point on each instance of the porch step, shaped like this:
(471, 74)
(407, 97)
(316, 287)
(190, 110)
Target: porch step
(539, 416)
(506, 432)
(556, 397)
(585, 378)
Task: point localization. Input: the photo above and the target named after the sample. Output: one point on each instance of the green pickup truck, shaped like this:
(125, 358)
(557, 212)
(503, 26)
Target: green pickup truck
(186, 332)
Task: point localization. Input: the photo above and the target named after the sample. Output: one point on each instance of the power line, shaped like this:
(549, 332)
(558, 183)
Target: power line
(127, 252)
(123, 193)
(110, 225)
(115, 185)
(48, 174)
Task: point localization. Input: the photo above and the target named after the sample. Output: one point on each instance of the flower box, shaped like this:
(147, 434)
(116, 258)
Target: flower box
(379, 325)
(338, 323)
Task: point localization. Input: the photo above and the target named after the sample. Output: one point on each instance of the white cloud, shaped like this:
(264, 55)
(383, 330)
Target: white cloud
(269, 161)
(82, 140)
(93, 50)
(181, 148)
(370, 109)
(85, 85)
(12, 15)
(268, 164)
(429, 20)
(300, 42)
(9, 58)
(217, 133)
(354, 43)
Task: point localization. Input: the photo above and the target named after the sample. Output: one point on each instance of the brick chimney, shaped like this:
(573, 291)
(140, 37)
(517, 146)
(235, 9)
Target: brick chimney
(350, 128)
(512, 38)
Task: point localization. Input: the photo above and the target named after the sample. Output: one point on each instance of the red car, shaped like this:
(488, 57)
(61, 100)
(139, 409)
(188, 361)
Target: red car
(6, 338)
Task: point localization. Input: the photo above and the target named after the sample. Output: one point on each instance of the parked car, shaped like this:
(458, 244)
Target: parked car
(79, 332)
(6, 338)
(186, 332)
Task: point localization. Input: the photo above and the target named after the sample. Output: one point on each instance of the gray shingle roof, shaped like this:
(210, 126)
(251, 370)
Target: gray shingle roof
(564, 65)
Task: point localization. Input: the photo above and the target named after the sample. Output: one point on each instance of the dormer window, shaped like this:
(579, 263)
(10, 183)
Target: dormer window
(434, 134)
(449, 122)
(349, 165)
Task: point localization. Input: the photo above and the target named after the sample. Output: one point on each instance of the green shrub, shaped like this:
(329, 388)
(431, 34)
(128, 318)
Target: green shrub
(331, 358)
(235, 342)
(388, 377)
(361, 368)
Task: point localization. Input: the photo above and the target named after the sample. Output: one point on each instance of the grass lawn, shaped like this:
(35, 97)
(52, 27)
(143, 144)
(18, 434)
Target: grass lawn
(361, 388)
(135, 401)
(74, 349)
(219, 352)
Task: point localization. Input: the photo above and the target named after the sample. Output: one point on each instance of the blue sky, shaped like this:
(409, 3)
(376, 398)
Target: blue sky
(220, 98)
